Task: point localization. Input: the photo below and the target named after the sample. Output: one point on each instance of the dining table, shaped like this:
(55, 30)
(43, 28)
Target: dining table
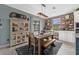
(44, 40)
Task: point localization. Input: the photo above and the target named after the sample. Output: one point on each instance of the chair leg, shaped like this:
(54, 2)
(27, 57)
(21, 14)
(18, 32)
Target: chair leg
(28, 49)
(53, 45)
(34, 50)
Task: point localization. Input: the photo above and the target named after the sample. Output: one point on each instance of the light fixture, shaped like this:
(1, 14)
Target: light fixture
(41, 14)
(43, 5)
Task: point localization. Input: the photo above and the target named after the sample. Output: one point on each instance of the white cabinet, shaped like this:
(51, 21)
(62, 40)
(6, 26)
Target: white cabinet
(68, 36)
(62, 35)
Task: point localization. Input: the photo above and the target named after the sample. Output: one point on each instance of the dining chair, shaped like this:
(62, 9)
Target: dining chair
(32, 42)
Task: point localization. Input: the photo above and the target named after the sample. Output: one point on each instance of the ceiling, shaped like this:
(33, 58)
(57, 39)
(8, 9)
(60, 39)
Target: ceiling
(50, 10)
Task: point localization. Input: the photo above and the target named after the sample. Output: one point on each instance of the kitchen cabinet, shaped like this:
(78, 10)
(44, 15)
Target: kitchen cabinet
(68, 36)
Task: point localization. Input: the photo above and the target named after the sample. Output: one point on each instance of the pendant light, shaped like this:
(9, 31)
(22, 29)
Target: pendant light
(42, 13)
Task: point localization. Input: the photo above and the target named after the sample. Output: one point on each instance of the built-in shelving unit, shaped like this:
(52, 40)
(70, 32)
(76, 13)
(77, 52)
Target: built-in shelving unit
(18, 29)
(68, 22)
(63, 22)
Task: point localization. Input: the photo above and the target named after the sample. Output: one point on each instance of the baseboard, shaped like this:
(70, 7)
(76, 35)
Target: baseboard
(20, 45)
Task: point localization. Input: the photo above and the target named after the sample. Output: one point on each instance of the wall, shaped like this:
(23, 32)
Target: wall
(5, 31)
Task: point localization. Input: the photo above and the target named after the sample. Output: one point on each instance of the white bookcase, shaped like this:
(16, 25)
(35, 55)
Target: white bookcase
(18, 31)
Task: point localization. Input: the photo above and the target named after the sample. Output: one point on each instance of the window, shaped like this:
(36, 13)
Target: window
(56, 23)
(36, 26)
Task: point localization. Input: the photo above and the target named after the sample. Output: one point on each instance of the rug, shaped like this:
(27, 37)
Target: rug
(53, 50)
(49, 51)
(24, 50)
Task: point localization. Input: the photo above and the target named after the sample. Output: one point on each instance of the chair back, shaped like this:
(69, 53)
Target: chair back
(31, 39)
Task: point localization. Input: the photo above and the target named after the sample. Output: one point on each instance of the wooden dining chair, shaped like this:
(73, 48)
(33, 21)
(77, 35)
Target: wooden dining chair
(32, 42)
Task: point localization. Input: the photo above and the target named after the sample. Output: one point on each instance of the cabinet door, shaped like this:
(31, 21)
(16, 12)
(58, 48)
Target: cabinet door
(65, 36)
(70, 36)
(62, 35)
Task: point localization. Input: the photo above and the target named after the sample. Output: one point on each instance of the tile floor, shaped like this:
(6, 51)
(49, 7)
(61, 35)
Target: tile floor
(66, 49)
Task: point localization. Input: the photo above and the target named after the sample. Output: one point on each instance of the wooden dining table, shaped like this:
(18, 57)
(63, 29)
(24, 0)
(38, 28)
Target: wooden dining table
(44, 41)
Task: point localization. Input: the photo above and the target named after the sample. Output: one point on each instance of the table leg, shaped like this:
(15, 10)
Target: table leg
(39, 47)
